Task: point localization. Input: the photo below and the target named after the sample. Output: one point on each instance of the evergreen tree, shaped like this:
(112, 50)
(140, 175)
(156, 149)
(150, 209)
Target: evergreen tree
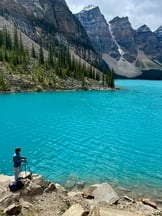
(112, 85)
(33, 52)
(97, 77)
(50, 57)
(41, 55)
(110, 79)
(16, 41)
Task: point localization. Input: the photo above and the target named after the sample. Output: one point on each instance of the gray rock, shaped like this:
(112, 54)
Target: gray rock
(50, 188)
(129, 199)
(88, 191)
(25, 175)
(105, 193)
(149, 202)
(33, 189)
(75, 210)
(95, 211)
(116, 212)
(9, 198)
(145, 209)
(27, 208)
(39, 180)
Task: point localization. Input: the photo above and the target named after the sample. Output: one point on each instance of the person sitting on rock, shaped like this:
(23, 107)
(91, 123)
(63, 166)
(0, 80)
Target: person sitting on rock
(17, 159)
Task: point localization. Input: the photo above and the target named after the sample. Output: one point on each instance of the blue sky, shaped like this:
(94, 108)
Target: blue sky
(147, 12)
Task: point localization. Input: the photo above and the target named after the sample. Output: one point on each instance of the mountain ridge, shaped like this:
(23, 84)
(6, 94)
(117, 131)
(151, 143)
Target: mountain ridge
(129, 52)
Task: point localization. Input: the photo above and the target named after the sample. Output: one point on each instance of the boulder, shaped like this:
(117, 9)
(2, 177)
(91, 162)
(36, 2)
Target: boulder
(50, 188)
(13, 209)
(116, 212)
(88, 191)
(39, 180)
(27, 208)
(145, 209)
(73, 194)
(33, 189)
(75, 210)
(129, 199)
(25, 175)
(159, 203)
(61, 189)
(8, 199)
(105, 193)
(95, 211)
(149, 202)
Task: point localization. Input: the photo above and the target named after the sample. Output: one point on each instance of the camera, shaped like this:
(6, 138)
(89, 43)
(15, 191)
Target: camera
(23, 159)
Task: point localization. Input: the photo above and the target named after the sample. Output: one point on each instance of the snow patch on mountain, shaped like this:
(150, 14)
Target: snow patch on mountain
(88, 8)
(121, 51)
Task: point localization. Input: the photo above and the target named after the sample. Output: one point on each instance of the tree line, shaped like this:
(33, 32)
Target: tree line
(59, 60)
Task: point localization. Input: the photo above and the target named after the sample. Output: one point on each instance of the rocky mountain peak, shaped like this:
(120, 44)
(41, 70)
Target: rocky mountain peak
(143, 28)
(88, 8)
(98, 31)
(122, 21)
(92, 14)
(126, 50)
(158, 33)
(124, 35)
(159, 29)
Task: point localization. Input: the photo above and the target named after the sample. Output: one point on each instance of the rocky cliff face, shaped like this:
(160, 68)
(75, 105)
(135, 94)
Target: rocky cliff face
(98, 31)
(132, 53)
(125, 37)
(147, 41)
(50, 15)
(49, 19)
(158, 34)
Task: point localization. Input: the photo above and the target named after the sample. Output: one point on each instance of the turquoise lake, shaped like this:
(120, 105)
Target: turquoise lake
(88, 136)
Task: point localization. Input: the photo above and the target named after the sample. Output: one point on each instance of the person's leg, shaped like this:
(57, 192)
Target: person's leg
(16, 173)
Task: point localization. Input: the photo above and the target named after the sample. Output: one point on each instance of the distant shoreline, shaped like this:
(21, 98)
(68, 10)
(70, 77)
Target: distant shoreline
(61, 90)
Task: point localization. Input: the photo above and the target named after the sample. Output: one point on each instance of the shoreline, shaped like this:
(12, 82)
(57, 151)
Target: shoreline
(42, 197)
(134, 192)
(74, 183)
(61, 90)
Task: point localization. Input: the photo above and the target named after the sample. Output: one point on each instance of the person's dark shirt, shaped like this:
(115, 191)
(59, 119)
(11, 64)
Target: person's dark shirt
(17, 160)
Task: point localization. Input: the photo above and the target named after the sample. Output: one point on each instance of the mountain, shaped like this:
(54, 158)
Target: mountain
(49, 27)
(131, 53)
(51, 20)
(98, 30)
(34, 17)
(158, 34)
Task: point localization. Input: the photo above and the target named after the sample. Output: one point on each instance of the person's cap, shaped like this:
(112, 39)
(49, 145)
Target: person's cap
(17, 149)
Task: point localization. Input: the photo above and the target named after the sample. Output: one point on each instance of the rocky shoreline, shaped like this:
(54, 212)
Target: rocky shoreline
(40, 197)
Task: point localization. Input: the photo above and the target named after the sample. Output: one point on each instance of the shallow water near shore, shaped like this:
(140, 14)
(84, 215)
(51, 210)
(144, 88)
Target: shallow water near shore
(89, 136)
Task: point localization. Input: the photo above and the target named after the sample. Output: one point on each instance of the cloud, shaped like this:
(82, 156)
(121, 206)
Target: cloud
(139, 12)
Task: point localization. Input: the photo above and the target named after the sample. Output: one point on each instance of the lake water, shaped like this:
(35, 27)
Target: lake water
(88, 136)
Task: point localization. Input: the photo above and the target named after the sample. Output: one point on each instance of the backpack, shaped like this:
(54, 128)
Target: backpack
(14, 187)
